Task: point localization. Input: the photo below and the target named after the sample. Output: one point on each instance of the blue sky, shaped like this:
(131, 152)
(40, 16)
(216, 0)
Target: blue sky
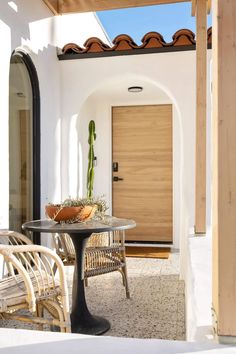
(136, 21)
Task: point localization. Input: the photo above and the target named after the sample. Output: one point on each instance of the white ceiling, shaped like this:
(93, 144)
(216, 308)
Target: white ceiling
(116, 91)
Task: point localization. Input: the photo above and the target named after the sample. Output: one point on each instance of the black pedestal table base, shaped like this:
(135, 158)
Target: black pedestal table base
(93, 325)
(81, 319)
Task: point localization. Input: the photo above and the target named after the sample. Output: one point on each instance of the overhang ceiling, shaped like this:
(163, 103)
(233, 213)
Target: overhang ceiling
(69, 6)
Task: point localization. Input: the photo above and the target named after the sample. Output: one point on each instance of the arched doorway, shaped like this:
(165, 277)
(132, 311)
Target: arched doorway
(98, 106)
(24, 142)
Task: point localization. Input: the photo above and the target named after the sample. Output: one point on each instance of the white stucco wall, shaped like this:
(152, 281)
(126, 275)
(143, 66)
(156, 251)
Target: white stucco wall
(196, 259)
(71, 88)
(30, 30)
(92, 86)
(30, 26)
(77, 28)
(75, 91)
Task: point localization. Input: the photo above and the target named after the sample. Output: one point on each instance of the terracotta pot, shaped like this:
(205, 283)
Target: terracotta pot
(87, 212)
(58, 213)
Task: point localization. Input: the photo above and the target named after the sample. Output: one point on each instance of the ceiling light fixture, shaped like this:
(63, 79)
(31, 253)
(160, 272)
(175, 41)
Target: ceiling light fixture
(135, 89)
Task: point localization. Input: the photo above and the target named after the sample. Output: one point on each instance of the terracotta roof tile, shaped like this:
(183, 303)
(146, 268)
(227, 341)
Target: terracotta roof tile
(95, 45)
(72, 48)
(209, 35)
(123, 42)
(183, 37)
(152, 40)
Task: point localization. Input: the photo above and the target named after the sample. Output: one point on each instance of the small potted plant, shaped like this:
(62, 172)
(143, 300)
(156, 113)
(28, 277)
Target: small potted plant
(76, 210)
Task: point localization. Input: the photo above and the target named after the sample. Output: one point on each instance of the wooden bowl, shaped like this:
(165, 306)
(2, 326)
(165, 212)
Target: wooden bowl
(70, 213)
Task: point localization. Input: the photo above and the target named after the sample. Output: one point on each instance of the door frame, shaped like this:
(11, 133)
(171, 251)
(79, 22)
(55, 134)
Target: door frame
(176, 167)
(36, 132)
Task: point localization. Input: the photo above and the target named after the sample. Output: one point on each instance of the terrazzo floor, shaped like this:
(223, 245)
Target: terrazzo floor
(156, 307)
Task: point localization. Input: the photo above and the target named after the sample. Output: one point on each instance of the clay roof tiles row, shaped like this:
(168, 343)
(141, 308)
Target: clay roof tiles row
(150, 40)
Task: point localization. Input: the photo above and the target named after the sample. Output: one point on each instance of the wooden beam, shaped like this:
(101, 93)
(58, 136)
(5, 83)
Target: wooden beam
(209, 6)
(194, 7)
(201, 97)
(224, 168)
(194, 2)
(52, 5)
(67, 6)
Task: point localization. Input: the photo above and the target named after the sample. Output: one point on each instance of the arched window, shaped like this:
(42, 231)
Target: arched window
(24, 142)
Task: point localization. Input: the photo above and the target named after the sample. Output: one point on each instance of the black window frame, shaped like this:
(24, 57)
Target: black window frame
(36, 131)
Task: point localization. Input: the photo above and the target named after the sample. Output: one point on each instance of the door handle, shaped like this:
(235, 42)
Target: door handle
(116, 179)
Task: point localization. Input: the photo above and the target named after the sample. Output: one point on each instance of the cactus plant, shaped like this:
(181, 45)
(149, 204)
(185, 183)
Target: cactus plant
(90, 172)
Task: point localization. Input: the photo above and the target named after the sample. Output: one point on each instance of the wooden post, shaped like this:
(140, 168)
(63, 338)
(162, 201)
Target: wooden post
(224, 168)
(201, 97)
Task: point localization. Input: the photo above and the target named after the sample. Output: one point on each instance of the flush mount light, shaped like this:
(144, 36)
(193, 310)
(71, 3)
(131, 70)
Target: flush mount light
(135, 89)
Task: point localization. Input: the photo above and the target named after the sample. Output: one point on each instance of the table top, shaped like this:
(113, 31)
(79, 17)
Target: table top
(108, 223)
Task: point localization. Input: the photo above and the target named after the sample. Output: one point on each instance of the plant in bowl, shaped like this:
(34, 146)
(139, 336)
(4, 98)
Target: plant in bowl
(76, 210)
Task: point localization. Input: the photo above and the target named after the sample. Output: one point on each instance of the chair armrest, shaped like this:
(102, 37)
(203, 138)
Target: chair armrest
(5, 251)
(34, 264)
(14, 238)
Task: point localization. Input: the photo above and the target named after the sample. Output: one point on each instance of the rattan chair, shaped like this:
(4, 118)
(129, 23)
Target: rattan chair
(105, 253)
(30, 284)
(14, 238)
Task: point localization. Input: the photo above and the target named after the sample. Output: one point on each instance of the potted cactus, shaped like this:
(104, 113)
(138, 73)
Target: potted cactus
(90, 172)
(82, 209)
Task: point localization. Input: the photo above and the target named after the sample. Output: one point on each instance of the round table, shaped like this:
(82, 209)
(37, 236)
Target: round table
(82, 321)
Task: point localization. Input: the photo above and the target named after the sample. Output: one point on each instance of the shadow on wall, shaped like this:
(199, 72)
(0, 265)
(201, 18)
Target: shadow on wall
(19, 16)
